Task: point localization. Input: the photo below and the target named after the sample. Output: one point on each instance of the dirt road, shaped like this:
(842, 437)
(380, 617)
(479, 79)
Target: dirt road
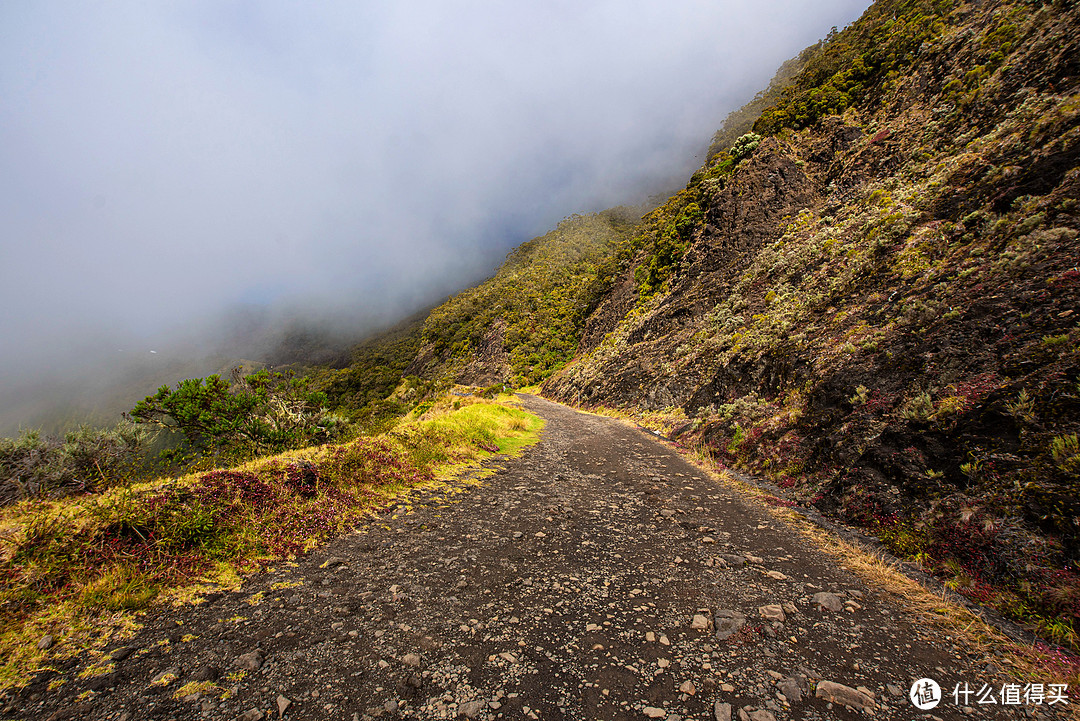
(599, 576)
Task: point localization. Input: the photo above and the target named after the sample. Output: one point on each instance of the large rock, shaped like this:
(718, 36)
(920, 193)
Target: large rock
(772, 612)
(839, 693)
(700, 622)
(828, 601)
(728, 624)
(793, 688)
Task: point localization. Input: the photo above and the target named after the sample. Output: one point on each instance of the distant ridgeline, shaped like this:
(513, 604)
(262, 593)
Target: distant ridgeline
(869, 294)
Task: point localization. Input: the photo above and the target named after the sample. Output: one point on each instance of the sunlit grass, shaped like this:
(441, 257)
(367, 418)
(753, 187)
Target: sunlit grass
(79, 569)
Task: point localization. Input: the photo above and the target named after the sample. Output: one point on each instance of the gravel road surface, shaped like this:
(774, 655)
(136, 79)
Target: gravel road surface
(598, 576)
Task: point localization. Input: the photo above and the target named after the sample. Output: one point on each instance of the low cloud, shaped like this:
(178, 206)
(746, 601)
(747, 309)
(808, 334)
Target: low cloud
(166, 164)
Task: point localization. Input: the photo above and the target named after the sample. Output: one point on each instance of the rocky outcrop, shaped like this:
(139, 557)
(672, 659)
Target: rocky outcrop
(878, 310)
(490, 363)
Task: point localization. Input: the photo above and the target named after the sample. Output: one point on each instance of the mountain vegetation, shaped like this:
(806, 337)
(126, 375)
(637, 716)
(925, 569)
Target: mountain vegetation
(526, 321)
(77, 561)
(868, 295)
(254, 414)
(876, 305)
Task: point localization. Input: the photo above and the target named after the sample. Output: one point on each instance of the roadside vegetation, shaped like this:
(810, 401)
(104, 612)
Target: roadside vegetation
(74, 569)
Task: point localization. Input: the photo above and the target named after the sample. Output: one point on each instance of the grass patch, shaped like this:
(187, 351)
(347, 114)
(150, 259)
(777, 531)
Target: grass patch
(77, 569)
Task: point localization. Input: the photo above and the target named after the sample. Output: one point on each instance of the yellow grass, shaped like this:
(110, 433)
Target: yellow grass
(451, 441)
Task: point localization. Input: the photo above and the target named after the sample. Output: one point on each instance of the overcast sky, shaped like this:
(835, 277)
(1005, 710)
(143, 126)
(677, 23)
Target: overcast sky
(161, 162)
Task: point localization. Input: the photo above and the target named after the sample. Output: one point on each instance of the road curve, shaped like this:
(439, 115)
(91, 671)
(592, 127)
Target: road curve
(566, 586)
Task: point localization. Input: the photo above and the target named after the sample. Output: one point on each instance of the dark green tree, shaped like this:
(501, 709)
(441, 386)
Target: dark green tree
(264, 412)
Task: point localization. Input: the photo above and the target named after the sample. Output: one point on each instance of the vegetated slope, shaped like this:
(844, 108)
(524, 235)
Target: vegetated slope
(526, 321)
(364, 389)
(874, 298)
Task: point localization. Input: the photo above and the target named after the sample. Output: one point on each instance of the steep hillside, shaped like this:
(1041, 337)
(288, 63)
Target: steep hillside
(873, 298)
(526, 321)
(364, 388)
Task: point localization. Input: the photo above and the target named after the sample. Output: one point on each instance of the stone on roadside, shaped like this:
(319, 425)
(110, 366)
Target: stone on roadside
(687, 687)
(728, 625)
(700, 622)
(761, 715)
(653, 712)
(772, 612)
(251, 661)
(733, 560)
(411, 659)
(45, 643)
(790, 688)
(470, 709)
(839, 693)
(206, 672)
(722, 711)
(119, 654)
(828, 601)
(253, 714)
(282, 705)
(164, 678)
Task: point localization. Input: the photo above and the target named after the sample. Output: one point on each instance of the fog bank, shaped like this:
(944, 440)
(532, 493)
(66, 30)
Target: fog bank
(166, 164)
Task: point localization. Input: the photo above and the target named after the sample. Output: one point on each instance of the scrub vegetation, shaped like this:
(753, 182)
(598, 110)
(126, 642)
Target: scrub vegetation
(868, 295)
(74, 568)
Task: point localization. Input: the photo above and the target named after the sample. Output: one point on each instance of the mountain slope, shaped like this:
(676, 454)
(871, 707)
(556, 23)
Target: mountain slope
(876, 304)
(526, 321)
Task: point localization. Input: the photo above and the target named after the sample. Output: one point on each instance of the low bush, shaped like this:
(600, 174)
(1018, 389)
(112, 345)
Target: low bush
(85, 459)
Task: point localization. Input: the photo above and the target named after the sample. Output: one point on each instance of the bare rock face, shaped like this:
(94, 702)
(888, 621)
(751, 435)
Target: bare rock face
(490, 362)
(741, 217)
(611, 310)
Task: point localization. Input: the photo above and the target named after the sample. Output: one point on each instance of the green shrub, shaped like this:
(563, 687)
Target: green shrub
(919, 409)
(264, 412)
(745, 145)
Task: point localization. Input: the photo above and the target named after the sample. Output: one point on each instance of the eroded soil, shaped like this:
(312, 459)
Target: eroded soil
(566, 586)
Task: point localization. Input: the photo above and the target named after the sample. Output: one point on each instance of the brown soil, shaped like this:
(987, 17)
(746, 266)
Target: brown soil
(531, 596)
